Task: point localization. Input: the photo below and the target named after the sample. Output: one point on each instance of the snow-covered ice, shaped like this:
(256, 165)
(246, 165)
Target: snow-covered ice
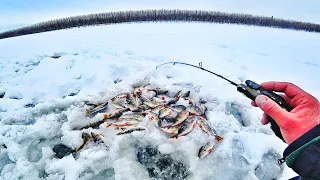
(46, 78)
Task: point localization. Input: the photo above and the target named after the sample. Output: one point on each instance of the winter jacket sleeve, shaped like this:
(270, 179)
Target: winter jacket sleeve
(303, 155)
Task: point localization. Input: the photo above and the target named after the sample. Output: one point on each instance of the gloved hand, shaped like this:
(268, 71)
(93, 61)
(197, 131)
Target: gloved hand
(304, 116)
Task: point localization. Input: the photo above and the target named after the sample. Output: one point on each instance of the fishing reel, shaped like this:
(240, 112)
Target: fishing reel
(251, 90)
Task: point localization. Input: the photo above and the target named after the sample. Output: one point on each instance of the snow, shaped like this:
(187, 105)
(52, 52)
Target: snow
(166, 148)
(98, 63)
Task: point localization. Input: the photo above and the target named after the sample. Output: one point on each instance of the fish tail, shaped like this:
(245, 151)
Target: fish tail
(79, 148)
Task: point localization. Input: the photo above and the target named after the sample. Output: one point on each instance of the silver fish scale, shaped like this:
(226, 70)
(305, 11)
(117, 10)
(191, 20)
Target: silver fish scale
(126, 122)
(117, 105)
(130, 130)
(187, 126)
(178, 108)
(166, 122)
(160, 91)
(203, 124)
(139, 117)
(97, 109)
(164, 112)
(194, 110)
(187, 122)
(131, 99)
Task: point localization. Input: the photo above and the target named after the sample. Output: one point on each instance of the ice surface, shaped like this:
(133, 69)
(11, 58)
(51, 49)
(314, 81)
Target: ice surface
(14, 95)
(98, 63)
(267, 169)
(239, 112)
(160, 166)
(165, 148)
(4, 159)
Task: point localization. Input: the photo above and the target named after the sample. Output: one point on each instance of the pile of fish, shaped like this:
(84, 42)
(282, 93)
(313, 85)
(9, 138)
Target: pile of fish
(175, 115)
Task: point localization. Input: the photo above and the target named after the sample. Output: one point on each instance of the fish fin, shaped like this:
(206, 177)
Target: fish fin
(219, 138)
(187, 94)
(186, 133)
(87, 111)
(200, 125)
(123, 128)
(127, 124)
(174, 137)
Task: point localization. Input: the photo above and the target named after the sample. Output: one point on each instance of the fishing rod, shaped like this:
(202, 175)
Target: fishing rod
(251, 90)
(199, 67)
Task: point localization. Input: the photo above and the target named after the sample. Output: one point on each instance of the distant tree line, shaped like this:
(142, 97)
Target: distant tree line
(160, 16)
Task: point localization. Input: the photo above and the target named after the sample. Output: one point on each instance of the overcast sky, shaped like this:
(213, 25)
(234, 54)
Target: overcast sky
(20, 12)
